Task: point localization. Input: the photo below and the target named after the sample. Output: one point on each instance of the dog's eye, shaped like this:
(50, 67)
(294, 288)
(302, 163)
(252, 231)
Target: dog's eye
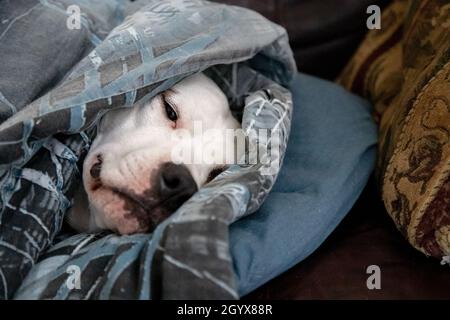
(214, 173)
(170, 112)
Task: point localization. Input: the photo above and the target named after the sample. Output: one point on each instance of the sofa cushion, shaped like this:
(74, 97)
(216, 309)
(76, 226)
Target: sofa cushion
(404, 68)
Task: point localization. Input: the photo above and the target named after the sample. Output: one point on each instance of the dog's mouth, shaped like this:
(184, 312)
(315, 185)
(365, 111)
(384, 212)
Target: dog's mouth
(129, 198)
(132, 203)
(170, 186)
(148, 213)
(144, 207)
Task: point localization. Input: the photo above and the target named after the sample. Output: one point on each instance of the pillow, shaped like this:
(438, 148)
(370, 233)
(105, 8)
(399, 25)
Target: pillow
(404, 68)
(330, 156)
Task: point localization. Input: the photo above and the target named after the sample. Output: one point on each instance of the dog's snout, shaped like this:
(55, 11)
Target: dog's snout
(176, 184)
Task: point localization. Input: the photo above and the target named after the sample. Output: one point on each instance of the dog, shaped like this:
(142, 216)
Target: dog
(130, 181)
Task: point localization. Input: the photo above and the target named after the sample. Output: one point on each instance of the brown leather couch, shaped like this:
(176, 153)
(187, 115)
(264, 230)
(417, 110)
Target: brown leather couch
(323, 36)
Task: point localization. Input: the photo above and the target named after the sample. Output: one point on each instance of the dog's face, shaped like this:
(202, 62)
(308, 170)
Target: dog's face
(129, 175)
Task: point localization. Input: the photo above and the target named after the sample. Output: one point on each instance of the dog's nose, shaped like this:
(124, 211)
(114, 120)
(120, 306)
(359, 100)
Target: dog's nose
(176, 185)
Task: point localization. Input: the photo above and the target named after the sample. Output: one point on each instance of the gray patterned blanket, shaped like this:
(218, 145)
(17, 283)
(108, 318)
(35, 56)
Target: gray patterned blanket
(59, 75)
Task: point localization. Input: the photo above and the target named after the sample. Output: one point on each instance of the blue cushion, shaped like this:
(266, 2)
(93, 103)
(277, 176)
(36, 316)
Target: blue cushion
(330, 156)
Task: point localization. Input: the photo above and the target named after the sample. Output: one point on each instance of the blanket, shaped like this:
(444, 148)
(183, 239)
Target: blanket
(58, 78)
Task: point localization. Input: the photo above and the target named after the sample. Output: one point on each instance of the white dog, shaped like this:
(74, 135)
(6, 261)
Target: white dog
(130, 180)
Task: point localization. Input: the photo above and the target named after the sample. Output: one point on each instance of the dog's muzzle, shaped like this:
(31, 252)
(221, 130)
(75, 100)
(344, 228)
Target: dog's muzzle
(171, 185)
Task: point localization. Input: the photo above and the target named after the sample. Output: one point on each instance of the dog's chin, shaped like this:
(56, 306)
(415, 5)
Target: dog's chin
(110, 210)
(121, 212)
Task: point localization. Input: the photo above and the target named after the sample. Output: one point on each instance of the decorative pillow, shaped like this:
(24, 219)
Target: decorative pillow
(404, 69)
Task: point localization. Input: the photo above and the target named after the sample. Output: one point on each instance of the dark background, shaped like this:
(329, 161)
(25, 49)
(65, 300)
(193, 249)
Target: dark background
(323, 33)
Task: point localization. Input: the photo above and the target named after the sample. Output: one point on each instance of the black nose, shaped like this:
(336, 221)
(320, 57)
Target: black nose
(176, 185)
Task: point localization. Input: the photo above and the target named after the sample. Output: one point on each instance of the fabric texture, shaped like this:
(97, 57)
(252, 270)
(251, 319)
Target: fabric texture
(43, 143)
(330, 155)
(27, 25)
(404, 69)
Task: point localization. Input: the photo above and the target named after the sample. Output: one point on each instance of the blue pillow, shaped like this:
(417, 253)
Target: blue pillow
(330, 156)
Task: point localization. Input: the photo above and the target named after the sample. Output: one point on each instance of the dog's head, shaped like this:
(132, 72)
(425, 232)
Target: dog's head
(130, 177)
